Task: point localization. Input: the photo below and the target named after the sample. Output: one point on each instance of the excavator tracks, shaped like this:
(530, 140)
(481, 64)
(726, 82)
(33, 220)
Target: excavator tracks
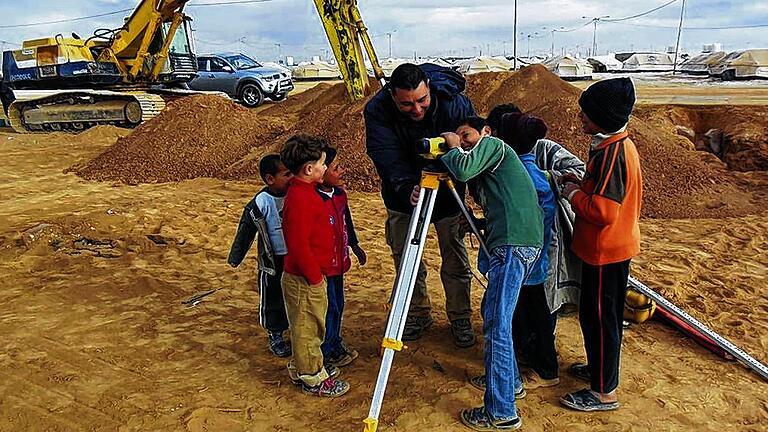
(74, 111)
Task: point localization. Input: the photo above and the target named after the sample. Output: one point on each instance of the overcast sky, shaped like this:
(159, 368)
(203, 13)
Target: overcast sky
(427, 27)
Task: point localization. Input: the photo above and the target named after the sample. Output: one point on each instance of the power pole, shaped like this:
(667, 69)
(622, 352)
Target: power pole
(679, 32)
(514, 41)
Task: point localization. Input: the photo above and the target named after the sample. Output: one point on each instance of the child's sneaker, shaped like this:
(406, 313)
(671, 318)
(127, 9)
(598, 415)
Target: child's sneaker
(343, 357)
(328, 388)
(278, 345)
(332, 371)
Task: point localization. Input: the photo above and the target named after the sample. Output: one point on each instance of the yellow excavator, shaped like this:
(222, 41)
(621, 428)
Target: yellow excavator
(126, 75)
(112, 77)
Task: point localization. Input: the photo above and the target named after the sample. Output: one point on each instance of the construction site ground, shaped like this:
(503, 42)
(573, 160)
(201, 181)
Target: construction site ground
(96, 337)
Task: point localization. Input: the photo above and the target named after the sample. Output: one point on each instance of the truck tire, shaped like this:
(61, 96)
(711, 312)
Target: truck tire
(250, 95)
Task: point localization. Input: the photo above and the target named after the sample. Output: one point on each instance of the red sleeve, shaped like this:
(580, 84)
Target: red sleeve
(596, 209)
(297, 230)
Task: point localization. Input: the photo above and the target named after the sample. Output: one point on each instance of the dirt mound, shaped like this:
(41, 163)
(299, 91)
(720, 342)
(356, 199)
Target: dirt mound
(295, 104)
(679, 182)
(101, 133)
(330, 116)
(205, 136)
(195, 136)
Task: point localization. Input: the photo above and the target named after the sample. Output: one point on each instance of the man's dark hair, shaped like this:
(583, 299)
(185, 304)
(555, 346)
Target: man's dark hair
(300, 149)
(269, 165)
(407, 76)
(330, 155)
(475, 122)
(494, 117)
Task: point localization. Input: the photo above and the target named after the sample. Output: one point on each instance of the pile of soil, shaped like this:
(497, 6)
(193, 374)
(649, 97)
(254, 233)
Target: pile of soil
(205, 136)
(678, 181)
(196, 136)
(330, 115)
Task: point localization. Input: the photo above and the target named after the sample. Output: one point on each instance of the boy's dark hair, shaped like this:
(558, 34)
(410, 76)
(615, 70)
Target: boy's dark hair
(330, 155)
(300, 149)
(269, 165)
(494, 117)
(407, 76)
(475, 122)
(522, 131)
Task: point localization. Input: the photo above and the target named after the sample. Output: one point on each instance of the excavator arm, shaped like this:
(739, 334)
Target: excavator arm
(345, 29)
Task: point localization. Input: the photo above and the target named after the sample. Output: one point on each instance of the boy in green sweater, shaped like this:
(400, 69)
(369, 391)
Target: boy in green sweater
(514, 235)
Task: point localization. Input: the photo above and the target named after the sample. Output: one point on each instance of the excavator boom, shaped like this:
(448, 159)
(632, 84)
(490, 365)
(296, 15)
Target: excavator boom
(345, 29)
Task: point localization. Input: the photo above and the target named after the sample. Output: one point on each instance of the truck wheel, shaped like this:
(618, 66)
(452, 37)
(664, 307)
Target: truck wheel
(251, 95)
(279, 96)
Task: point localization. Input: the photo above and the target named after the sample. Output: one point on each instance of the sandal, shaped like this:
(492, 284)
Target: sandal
(479, 420)
(585, 400)
(580, 371)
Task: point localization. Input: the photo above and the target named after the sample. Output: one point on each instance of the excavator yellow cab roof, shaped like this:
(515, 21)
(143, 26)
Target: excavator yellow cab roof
(36, 43)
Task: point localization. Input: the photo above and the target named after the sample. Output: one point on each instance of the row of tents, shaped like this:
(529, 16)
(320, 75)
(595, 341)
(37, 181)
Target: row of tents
(742, 64)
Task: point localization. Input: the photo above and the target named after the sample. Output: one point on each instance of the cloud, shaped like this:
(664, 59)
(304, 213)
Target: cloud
(427, 27)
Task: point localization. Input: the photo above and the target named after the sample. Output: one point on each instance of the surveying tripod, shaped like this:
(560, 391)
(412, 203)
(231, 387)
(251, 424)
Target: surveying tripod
(406, 279)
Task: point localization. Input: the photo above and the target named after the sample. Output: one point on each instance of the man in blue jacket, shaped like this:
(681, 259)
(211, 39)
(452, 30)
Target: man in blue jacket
(421, 102)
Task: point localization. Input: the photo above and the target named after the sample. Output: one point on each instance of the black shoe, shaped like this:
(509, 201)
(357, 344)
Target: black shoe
(278, 345)
(463, 335)
(415, 327)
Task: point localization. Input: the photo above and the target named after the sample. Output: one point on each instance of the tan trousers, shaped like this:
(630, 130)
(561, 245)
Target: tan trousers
(455, 272)
(306, 306)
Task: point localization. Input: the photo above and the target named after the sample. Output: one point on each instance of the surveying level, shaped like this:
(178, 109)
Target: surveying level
(431, 148)
(406, 279)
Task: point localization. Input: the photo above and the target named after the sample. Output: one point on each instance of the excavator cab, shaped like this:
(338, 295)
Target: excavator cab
(181, 63)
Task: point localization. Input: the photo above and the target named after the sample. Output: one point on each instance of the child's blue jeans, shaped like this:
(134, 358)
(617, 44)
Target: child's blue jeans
(332, 343)
(509, 267)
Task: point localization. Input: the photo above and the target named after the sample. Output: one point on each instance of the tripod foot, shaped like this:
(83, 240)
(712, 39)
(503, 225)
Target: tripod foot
(370, 424)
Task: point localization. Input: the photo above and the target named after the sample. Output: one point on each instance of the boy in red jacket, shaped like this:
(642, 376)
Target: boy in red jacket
(334, 197)
(309, 240)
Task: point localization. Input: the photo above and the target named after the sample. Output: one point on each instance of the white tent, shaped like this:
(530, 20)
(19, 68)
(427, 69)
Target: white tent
(648, 62)
(437, 61)
(742, 64)
(700, 64)
(316, 70)
(569, 68)
(605, 63)
(388, 65)
(484, 64)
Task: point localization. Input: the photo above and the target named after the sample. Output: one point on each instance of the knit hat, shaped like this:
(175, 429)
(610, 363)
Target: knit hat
(522, 131)
(609, 103)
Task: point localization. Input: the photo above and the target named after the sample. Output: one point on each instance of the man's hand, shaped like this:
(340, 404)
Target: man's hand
(451, 140)
(415, 195)
(569, 189)
(568, 178)
(362, 258)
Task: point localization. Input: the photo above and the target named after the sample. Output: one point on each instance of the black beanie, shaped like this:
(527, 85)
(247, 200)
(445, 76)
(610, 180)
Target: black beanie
(609, 103)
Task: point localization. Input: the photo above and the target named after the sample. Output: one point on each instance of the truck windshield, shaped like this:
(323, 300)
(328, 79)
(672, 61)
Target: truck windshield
(242, 62)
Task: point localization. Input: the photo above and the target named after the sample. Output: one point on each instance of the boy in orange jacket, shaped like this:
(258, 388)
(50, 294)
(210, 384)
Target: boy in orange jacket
(606, 236)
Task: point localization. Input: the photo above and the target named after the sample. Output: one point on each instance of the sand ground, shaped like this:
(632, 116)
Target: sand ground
(96, 337)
